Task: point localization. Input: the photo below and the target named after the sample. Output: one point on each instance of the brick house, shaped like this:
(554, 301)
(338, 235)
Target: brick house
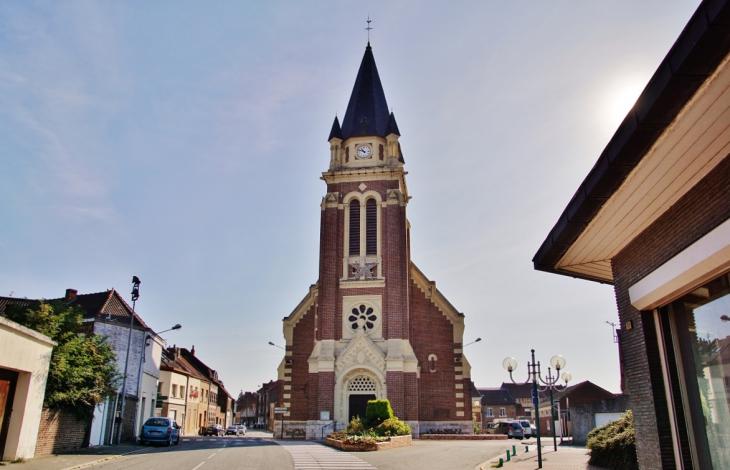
(266, 400)
(246, 408)
(523, 396)
(214, 402)
(373, 326)
(577, 395)
(499, 404)
(652, 219)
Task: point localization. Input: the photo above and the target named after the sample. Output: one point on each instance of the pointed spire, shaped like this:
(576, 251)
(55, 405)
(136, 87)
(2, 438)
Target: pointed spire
(367, 111)
(392, 126)
(336, 132)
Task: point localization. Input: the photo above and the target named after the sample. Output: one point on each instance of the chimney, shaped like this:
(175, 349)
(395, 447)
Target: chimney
(192, 350)
(70, 295)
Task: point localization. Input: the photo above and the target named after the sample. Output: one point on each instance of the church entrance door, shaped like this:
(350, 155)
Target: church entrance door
(358, 405)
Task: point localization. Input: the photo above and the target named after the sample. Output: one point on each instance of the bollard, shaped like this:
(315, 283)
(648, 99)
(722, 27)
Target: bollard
(508, 459)
(514, 451)
(527, 448)
(501, 463)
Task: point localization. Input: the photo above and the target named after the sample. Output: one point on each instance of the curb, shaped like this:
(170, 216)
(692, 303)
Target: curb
(106, 459)
(486, 465)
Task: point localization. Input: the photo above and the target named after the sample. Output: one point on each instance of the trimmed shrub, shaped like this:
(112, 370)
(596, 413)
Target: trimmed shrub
(377, 412)
(392, 427)
(614, 444)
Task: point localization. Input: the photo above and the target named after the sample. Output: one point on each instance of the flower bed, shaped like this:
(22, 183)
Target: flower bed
(369, 444)
(464, 437)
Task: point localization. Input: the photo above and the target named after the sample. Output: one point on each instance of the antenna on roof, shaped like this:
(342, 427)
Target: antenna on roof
(368, 29)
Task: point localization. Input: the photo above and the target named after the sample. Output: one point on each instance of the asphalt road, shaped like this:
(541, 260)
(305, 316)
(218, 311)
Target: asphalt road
(211, 453)
(207, 454)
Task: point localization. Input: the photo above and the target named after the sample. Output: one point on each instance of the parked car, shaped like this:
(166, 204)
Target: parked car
(527, 428)
(214, 430)
(510, 428)
(236, 430)
(243, 429)
(162, 430)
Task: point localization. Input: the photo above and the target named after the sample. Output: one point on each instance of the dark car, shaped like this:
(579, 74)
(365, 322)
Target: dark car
(162, 430)
(215, 430)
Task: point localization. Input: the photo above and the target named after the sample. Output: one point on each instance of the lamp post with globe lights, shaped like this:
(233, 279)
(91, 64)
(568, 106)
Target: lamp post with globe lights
(533, 375)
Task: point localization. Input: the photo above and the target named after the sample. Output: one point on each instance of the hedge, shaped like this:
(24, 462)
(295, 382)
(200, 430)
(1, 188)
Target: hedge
(613, 445)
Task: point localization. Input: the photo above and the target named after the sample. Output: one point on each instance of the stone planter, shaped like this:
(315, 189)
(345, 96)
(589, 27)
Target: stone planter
(391, 443)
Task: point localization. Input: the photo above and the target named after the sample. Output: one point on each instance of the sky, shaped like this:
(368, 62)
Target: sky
(183, 142)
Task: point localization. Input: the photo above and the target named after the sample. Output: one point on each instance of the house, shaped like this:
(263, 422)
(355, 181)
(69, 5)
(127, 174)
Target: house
(266, 399)
(24, 358)
(108, 314)
(373, 325)
(215, 403)
(652, 218)
(523, 396)
(246, 408)
(580, 395)
(499, 404)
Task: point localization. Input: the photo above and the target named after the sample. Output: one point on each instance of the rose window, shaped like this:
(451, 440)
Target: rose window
(362, 317)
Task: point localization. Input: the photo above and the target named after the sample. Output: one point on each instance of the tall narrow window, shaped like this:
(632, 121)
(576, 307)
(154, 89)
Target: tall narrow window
(354, 227)
(371, 227)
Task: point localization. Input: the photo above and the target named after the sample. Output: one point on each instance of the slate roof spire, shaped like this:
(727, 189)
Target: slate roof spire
(367, 112)
(336, 131)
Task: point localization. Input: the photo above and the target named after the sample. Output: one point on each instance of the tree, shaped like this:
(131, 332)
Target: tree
(82, 372)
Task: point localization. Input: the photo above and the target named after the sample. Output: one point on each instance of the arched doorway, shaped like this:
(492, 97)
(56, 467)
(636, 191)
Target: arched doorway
(361, 389)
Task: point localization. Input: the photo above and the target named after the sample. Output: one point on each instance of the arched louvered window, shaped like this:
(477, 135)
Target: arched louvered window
(354, 227)
(371, 227)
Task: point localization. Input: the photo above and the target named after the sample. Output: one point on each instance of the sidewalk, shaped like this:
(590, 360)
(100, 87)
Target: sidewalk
(566, 458)
(79, 459)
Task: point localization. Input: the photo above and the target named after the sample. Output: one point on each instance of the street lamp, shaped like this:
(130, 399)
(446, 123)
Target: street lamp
(533, 375)
(475, 341)
(135, 295)
(276, 345)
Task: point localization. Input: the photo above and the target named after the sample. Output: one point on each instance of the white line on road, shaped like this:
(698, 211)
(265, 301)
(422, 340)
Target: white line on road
(199, 465)
(212, 455)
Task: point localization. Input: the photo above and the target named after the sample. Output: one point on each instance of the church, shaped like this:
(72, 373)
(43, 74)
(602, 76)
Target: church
(373, 326)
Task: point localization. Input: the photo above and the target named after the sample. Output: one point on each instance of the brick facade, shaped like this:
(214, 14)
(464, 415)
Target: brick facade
(703, 208)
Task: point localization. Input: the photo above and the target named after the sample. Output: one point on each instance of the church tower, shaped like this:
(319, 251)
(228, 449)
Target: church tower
(373, 326)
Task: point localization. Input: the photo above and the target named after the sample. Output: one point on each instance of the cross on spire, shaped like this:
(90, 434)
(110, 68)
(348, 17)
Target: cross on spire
(368, 29)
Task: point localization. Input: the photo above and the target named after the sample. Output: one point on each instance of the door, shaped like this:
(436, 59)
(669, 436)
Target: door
(358, 405)
(8, 379)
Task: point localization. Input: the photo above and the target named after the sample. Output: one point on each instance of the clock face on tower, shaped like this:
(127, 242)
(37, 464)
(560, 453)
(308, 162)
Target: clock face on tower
(363, 151)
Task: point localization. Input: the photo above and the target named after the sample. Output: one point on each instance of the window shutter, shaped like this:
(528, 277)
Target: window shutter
(355, 227)
(371, 227)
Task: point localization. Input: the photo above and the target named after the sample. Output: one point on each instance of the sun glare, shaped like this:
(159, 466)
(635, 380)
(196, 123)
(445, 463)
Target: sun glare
(623, 102)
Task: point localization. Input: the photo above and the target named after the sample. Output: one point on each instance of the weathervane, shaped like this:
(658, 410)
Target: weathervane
(368, 29)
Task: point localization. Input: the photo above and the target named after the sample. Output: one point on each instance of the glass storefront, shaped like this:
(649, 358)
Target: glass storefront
(700, 331)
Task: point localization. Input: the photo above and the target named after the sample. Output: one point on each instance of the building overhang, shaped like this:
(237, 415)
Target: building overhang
(676, 133)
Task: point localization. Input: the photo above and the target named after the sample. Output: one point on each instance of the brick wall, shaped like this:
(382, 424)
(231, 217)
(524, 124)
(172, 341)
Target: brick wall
(301, 383)
(60, 432)
(433, 333)
(703, 208)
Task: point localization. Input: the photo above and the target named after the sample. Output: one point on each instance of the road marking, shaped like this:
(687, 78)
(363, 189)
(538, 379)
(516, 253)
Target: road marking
(314, 456)
(186, 440)
(211, 455)
(199, 465)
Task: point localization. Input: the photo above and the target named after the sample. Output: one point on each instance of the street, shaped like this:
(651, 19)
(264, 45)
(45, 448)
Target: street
(255, 452)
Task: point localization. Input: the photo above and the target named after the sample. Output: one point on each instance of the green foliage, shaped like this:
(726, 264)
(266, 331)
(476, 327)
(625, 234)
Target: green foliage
(355, 426)
(392, 427)
(82, 372)
(377, 412)
(476, 426)
(614, 444)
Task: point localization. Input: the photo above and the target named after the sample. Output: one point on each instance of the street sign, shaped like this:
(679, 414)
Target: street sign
(281, 410)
